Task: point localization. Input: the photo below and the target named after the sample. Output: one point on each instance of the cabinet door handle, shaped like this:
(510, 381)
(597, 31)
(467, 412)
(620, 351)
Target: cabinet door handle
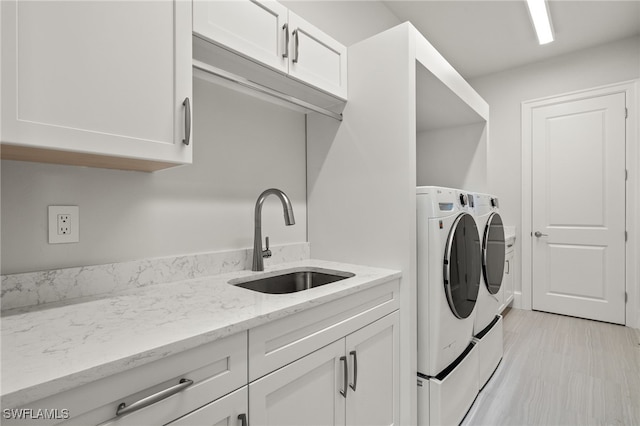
(355, 370)
(187, 121)
(285, 54)
(243, 419)
(152, 399)
(345, 371)
(508, 267)
(297, 46)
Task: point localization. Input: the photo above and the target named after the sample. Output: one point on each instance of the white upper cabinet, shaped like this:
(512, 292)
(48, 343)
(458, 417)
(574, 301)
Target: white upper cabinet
(267, 33)
(316, 58)
(254, 29)
(98, 83)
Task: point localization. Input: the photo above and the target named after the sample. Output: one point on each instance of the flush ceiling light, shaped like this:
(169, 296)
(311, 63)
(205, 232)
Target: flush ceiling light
(541, 20)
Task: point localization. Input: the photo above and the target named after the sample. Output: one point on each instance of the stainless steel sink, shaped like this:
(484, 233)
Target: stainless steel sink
(291, 281)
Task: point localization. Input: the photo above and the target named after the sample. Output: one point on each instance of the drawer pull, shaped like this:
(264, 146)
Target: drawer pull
(152, 399)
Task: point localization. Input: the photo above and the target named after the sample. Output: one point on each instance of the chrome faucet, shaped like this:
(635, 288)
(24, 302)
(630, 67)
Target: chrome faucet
(258, 253)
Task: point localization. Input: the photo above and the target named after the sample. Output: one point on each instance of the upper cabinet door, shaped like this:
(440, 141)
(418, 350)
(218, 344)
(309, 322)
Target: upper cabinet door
(256, 29)
(316, 58)
(98, 83)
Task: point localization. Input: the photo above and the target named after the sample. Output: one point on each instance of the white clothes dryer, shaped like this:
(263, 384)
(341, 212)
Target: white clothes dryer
(491, 231)
(487, 327)
(449, 269)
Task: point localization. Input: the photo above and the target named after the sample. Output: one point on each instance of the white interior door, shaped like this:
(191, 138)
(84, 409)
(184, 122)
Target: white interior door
(578, 216)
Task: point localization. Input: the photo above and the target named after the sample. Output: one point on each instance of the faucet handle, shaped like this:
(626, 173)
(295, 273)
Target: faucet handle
(266, 253)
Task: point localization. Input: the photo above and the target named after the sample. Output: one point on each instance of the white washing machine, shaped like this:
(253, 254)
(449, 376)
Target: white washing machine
(487, 327)
(449, 269)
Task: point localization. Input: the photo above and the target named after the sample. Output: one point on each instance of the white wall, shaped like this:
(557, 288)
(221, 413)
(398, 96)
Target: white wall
(505, 91)
(347, 21)
(362, 180)
(454, 157)
(242, 145)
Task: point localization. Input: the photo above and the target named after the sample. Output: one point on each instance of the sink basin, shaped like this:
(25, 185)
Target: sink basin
(291, 281)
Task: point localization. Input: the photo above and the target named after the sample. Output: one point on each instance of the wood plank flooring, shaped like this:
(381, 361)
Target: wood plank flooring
(559, 370)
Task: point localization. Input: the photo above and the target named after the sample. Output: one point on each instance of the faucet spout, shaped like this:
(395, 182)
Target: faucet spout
(258, 264)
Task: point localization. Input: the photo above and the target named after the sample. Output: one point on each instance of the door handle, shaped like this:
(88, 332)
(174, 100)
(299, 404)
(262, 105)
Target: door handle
(285, 27)
(355, 370)
(539, 234)
(296, 40)
(343, 391)
(243, 419)
(187, 121)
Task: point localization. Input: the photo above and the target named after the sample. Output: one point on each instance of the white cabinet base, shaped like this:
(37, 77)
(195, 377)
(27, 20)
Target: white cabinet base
(374, 370)
(446, 401)
(306, 392)
(490, 350)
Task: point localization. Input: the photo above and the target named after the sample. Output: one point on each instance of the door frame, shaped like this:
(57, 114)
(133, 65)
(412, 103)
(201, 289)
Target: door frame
(632, 164)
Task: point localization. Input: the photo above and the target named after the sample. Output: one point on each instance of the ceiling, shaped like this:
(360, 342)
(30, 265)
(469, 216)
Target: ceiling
(480, 37)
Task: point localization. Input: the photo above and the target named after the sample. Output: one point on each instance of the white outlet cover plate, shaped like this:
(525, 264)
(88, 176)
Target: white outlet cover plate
(74, 218)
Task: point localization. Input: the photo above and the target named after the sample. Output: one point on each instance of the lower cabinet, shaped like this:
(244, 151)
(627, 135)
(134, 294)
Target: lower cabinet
(352, 381)
(306, 392)
(505, 295)
(333, 364)
(375, 356)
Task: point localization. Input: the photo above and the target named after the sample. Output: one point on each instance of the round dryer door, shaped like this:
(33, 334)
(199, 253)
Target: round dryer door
(462, 265)
(493, 253)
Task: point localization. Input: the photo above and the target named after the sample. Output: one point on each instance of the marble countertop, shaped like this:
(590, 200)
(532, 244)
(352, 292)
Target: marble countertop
(510, 233)
(52, 350)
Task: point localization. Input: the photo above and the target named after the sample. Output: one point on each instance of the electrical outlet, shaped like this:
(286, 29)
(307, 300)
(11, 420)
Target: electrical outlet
(64, 224)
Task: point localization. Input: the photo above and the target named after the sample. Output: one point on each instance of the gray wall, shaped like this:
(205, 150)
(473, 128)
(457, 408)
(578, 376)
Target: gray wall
(505, 91)
(347, 21)
(454, 157)
(242, 145)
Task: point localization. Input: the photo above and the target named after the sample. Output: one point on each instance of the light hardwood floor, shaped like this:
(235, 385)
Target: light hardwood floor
(559, 370)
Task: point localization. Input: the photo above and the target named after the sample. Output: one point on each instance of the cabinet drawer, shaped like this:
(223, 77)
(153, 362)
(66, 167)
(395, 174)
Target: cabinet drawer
(281, 342)
(215, 368)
